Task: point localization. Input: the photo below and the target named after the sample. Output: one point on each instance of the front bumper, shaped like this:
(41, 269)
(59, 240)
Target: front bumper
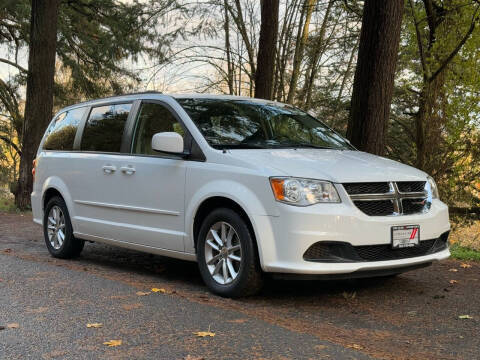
(284, 239)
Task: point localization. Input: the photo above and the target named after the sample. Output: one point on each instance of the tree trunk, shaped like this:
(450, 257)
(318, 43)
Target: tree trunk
(374, 75)
(228, 51)
(302, 39)
(39, 101)
(431, 116)
(242, 29)
(267, 45)
(283, 41)
(313, 66)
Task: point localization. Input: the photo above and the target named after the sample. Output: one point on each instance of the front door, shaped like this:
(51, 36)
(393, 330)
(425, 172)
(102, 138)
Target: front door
(153, 184)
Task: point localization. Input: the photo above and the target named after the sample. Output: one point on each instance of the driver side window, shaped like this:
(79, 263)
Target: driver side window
(153, 118)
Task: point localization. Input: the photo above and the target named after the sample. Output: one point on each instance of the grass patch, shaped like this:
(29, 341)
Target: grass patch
(463, 253)
(7, 204)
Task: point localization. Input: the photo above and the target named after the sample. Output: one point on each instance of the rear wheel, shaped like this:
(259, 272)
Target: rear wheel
(58, 231)
(227, 257)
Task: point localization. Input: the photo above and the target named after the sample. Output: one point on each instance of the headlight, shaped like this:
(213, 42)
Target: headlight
(303, 192)
(433, 187)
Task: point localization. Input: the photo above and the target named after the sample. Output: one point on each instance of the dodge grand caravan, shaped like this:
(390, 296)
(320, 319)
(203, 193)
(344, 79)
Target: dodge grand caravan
(242, 186)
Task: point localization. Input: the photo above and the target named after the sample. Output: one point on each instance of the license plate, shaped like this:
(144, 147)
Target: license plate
(405, 236)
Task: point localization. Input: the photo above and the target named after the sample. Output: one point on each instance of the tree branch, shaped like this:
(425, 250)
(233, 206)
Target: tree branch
(426, 72)
(459, 46)
(11, 143)
(22, 69)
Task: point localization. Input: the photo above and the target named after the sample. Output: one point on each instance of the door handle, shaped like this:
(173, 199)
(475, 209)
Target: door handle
(109, 169)
(128, 170)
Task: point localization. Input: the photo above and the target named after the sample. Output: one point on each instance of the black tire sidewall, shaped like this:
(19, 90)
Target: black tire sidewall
(70, 245)
(249, 263)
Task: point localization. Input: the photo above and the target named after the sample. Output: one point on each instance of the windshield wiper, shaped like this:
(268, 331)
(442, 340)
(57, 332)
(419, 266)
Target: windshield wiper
(238, 146)
(305, 145)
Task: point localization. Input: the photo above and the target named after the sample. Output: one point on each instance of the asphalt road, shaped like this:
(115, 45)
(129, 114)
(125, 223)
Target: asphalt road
(50, 302)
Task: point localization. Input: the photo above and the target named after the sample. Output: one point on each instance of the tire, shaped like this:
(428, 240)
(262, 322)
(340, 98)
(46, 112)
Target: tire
(57, 226)
(249, 277)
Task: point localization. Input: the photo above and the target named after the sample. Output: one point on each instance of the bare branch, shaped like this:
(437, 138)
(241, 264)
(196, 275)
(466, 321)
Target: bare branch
(22, 69)
(11, 143)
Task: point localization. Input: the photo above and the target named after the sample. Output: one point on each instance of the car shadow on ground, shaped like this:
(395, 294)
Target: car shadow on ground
(185, 274)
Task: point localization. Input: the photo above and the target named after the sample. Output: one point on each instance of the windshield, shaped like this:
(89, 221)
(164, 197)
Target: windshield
(246, 124)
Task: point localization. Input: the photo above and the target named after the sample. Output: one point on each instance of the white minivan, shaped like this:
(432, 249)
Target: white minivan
(240, 185)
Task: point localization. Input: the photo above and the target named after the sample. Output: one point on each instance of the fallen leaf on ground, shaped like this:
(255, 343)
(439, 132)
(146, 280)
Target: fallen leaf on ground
(465, 266)
(95, 325)
(142, 293)
(7, 251)
(204, 333)
(112, 343)
(356, 346)
(453, 281)
(453, 270)
(465, 317)
(13, 326)
(159, 290)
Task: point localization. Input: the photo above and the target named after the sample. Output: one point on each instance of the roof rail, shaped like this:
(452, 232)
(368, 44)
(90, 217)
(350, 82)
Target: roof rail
(114, 96)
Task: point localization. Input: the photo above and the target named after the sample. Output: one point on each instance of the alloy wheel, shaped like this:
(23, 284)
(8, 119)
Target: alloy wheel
(56, 227)
(223, 253)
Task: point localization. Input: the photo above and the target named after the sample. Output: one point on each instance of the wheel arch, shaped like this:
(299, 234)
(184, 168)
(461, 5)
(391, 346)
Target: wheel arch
(54, 186)
(48, 194)
(215, 202)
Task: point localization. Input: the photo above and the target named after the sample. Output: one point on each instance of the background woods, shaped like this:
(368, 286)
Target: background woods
(414, 96)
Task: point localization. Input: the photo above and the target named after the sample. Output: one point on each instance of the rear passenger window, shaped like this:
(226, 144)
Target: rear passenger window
(61, 134)
(104, 128)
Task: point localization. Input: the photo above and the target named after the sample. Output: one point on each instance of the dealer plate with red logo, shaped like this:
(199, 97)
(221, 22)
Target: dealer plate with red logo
(405, 236)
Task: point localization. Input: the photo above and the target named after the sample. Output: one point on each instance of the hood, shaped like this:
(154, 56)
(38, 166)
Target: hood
(333, 165)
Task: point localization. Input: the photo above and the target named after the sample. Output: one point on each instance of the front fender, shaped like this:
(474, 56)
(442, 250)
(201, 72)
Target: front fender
(252, 203)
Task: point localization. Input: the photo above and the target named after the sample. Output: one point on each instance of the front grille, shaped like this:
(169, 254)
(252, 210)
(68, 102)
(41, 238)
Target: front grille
(411, 186)
(413, 206)
(385, 252)
(335, 251)
(367, 188)
(376, 207)
(389, 198)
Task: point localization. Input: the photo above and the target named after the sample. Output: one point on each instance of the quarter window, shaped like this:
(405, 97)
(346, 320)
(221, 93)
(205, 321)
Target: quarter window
(61, 134)
(153, 118)
(104, 128)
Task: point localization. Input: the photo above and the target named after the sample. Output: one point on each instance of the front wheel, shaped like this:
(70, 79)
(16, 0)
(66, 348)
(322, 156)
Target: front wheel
(227, 257)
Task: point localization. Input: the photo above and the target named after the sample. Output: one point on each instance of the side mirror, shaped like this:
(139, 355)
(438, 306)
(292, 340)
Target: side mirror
(168, 142)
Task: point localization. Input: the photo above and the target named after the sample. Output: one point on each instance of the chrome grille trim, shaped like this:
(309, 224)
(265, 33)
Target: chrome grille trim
(396, 196)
